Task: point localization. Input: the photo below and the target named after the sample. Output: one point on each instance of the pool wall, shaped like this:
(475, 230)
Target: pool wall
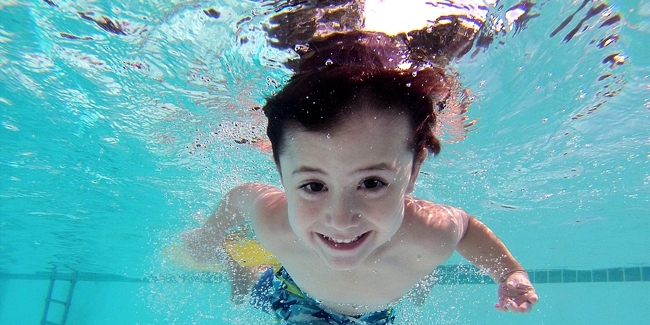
(604, 296)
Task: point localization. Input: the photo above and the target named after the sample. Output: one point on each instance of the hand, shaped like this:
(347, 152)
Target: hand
(516, 293)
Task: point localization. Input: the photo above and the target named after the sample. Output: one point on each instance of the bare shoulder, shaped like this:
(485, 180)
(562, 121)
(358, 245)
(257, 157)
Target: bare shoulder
(266, 208)
(259, 200)
(437, 220)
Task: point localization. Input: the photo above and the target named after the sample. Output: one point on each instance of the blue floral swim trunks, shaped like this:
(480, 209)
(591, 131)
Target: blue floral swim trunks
(277, 294)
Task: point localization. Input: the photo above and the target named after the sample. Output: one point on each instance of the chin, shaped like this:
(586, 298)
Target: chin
(340, 264)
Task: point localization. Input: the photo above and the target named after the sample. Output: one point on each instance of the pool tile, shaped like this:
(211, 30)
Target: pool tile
(467, 274)
(632, 274)
(555, 276)
(483, 279)
(444, 275)
(463, 278)
(475, 276)
(584, 276)
(569, 276)
(645, 273)
(615, 275)
(541, 276)
(447, 280)
(599, 275)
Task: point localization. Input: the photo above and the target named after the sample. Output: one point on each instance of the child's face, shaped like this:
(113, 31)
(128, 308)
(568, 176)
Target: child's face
(346, 188)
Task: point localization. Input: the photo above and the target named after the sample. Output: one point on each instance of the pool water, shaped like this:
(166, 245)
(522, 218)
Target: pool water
(124, 123)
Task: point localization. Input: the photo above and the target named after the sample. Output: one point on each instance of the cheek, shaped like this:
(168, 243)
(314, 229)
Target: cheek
(302, 213)
(393, 210)
(390, 205)
(397, 191)
(393, 207)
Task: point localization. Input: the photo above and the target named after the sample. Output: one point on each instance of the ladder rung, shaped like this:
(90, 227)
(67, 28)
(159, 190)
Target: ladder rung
(57, 301)
(47, 322)
(49, 300)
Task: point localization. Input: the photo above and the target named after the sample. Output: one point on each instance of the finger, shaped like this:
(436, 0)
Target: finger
(512, 306)
(519, 287)
(500, 306)
(506, 305)
(524, 307)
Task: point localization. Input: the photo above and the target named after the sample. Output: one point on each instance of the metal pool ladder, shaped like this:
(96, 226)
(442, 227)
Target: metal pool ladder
(55, 277)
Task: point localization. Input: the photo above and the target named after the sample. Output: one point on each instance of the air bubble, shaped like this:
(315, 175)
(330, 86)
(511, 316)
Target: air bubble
(329, 62)
(301, 48)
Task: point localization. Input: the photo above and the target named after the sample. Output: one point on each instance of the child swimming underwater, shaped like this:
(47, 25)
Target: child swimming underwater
(348, 142)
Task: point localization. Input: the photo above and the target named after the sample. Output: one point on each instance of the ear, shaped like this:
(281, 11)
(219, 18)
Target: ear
(418, 160)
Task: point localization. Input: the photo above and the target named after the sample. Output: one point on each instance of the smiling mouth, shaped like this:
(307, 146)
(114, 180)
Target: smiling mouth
(344, 244)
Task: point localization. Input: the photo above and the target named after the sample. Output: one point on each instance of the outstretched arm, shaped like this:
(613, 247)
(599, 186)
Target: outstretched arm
(482, 247)
(233, 210)
(205, 243)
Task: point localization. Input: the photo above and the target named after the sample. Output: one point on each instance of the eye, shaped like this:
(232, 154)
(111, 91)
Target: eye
(372, 183)
(314, 187)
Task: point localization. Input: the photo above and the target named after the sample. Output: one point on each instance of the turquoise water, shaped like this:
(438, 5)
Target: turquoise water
(115, 140)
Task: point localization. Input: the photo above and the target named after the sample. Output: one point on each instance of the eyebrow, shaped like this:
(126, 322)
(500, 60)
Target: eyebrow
(306, 169)
(380, 166)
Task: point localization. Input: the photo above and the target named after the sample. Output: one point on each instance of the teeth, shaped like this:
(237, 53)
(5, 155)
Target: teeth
(341, 241)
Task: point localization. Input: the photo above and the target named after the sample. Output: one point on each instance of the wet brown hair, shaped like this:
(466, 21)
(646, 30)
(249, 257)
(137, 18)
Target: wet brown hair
(316, 100)
(342, 73)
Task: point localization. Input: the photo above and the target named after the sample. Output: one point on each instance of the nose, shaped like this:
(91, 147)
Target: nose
(343, 211)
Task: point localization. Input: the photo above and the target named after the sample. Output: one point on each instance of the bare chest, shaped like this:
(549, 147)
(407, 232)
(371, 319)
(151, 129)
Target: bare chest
(376, 285)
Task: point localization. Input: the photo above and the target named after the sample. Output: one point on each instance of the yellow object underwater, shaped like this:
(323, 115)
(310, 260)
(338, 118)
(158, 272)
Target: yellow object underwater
(246, 251)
